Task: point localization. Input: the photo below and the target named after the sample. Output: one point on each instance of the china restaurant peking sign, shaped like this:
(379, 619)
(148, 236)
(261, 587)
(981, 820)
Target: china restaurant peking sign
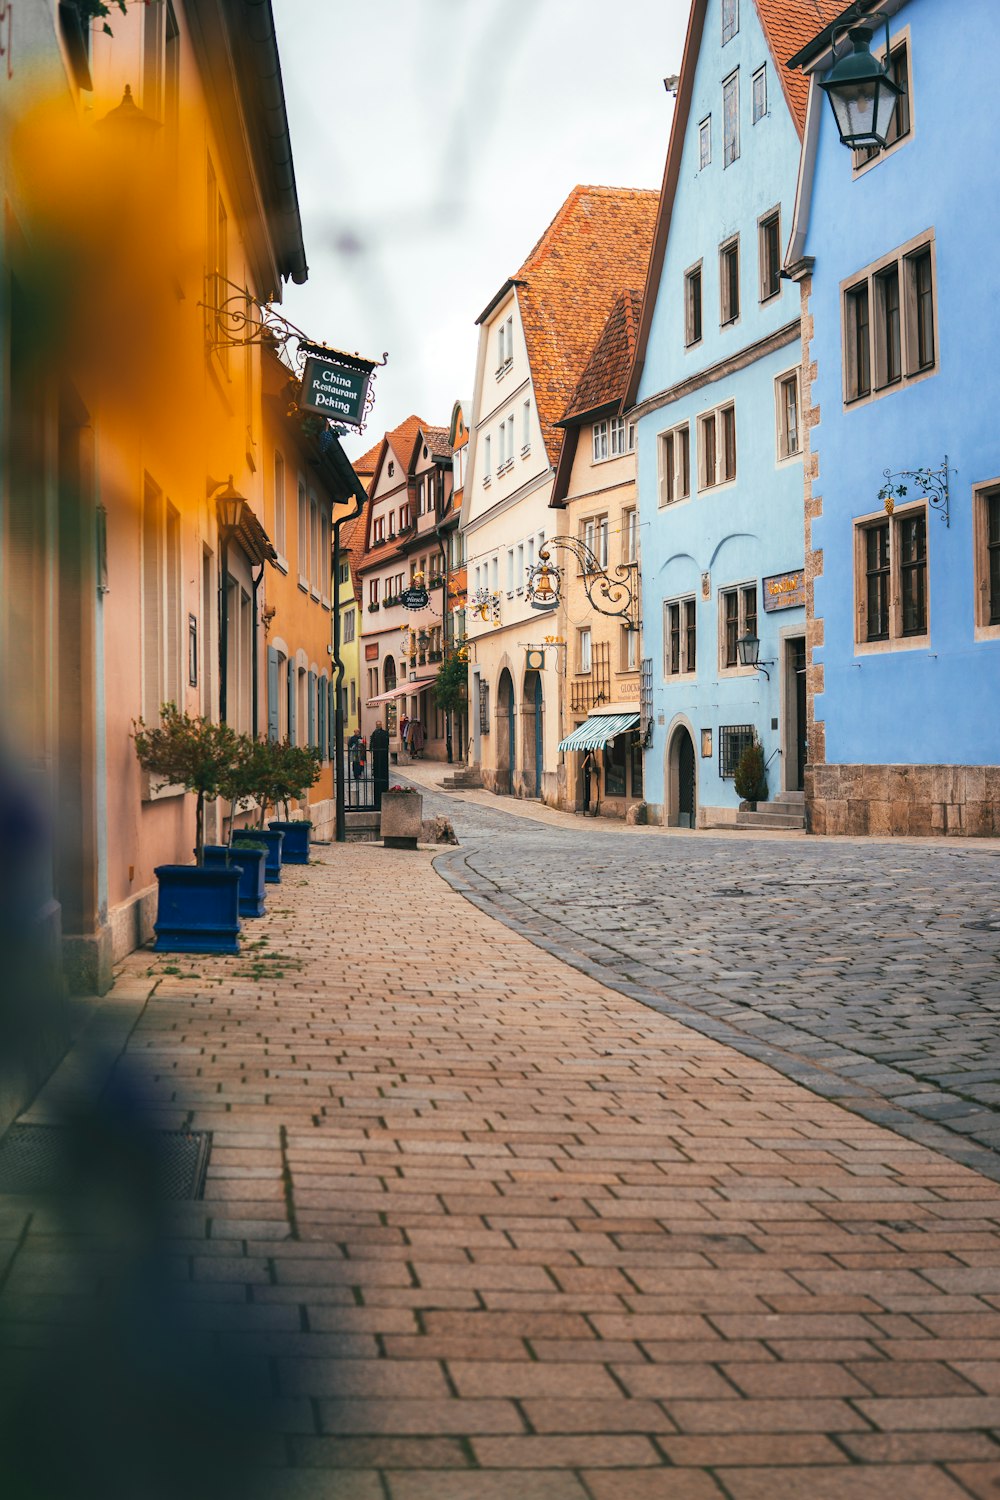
(336, 386)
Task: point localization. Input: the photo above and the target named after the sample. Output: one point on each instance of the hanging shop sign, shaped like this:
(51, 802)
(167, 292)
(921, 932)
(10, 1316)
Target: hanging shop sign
(784, 590)
(336, 388)
(415, 597)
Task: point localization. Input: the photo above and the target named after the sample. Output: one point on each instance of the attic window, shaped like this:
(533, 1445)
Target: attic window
(392, 468)
(425, 450)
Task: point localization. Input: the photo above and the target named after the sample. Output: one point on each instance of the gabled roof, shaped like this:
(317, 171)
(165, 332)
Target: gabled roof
(400, 440)
(364, 466)
(606, 374)
(597, 244)
(787, 26)
(437, 442)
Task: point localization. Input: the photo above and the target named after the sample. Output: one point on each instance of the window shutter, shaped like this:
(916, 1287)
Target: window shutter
(291, 701)
(272, 694)
(321, 701)
(311, 707)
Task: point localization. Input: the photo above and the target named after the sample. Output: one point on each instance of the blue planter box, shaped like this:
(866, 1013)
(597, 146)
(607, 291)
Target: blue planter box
(251, 863)
(198, 909)
(273, 839)
(295, 849)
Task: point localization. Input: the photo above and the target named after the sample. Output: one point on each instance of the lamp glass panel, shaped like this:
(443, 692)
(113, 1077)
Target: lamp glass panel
(748, 650)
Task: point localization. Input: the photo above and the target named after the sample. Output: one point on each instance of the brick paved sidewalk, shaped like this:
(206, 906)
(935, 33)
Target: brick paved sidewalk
(486, 1230)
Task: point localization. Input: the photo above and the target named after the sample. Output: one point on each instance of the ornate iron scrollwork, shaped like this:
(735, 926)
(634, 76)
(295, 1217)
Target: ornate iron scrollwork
(615, 594)
(932, 484)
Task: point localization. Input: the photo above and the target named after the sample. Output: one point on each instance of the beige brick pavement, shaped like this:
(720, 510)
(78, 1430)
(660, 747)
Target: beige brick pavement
(494, 1232)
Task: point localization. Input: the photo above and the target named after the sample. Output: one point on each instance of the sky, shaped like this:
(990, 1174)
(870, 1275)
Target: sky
(434, 140)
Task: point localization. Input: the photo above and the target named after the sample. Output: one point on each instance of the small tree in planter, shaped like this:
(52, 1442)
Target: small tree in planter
(751, 777)
(198, 907)
(238, 786)
(295, 769)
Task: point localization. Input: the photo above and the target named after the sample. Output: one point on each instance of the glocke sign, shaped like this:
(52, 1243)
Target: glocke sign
(336, 388)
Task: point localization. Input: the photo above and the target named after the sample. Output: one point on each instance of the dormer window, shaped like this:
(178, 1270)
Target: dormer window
(392, 468)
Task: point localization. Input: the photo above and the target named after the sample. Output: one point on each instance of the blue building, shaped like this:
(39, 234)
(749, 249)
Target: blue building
(715, 392)
(892, 248)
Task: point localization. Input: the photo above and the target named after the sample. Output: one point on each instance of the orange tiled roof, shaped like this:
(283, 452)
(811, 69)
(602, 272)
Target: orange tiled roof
(364, 466)
(788, 26)
(401, 440)
(597, 244)
(604, 379)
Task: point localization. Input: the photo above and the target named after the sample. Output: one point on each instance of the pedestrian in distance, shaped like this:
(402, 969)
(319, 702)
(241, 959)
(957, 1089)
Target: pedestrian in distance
(380, 761)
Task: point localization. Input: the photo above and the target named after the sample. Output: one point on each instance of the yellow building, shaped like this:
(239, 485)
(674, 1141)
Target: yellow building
(596, 549)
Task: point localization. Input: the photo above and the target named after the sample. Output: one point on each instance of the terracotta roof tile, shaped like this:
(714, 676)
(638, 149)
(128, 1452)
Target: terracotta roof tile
(788, 26)
(364, 466)
(597, 245)
(606, 374)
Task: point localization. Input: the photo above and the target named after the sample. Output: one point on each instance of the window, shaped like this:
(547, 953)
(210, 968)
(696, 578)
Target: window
(674, 464)
(487, 459)
(217, 262)
(717, 442)
(526, 428)
(730, 19)
(595, 536)
(629, 649)
(303, 536)
(987, 527)
(502, 448)
(889, 318)
(600, 441)
(759, 109)
(729, 280)
(510, 570)
(692, 306)
(901, 122)
(378, 529)
(630, 535)
(347, 620)
(392, 468)
(769, 255)
(583, 654)
(679, 638)
(484, 706)
(705, 143)
(786, 401)
(373, 591)
(279, 504)
(619, 436)
(891, 574)
(510, 438)
(160, 618)
(501, 346)
(738, 617)
(731, 119)
(313, 542)
(733, 740)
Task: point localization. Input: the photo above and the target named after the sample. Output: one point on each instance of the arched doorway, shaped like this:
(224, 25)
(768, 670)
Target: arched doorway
(682, 782)
(506, 740)
(533, 739)
(388, 674)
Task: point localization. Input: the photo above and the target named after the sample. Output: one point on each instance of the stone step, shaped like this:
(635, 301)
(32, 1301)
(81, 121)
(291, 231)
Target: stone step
(771, 817)
(790, 799)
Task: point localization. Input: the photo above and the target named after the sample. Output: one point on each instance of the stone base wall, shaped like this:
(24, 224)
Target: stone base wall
(924, 801)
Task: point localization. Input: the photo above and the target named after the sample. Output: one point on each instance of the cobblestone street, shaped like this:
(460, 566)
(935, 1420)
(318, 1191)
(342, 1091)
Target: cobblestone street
(477, 1226)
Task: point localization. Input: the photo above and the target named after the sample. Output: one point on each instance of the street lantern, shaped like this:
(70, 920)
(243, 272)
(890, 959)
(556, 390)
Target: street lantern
(862, 93)
(748, 654)
(229, 507)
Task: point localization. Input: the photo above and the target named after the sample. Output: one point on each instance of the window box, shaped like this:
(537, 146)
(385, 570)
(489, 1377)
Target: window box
(434, 655)
(373, 607)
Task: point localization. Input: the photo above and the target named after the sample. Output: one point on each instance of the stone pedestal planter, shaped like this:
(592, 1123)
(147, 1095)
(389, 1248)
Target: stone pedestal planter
(402, 817)
(198, 909)
(273, 838)
(251, 862)
(295, 849)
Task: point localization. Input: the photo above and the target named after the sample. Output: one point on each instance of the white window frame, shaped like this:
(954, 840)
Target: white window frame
(785, 452)
(594, 533)
(348, 621)
(727, 314)
(685, 669)
(629, 650)
(772, 216)
(981, 495)
(630, 534)
(279, 508)
(584, 651)
(718, 477)
(904, 257)
(672, 488)
(691, 338)
(599, 442)
(733, 28)
(618, 433)
(526, 429)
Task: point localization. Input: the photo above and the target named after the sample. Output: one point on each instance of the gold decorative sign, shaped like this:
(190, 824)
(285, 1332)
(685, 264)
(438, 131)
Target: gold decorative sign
(784, 590)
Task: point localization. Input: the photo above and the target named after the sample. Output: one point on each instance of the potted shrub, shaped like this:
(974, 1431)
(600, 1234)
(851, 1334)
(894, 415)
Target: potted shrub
(259, 780)
(198, 905)
(250, 857)
(751, 778)
(297, 768)
(401, 817)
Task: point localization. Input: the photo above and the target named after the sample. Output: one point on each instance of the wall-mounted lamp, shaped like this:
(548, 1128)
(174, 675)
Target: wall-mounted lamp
(748, 654)
(862, 93)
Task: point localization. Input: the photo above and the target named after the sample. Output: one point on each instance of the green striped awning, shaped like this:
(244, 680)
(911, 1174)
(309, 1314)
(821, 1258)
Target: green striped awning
(598, 731)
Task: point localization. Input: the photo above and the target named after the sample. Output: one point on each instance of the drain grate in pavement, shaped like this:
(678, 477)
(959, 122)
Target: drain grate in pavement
(46, 1159)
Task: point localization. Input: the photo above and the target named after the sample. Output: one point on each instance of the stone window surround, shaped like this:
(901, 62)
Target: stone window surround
(897, 641)
(868, 274)
(983, 631)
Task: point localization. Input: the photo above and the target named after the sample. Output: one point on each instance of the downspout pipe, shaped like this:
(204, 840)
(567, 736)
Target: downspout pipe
(256, 580)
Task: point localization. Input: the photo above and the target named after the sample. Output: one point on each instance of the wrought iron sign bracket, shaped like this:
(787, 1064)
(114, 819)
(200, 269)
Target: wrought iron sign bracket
(616, 596)
(932, 484)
